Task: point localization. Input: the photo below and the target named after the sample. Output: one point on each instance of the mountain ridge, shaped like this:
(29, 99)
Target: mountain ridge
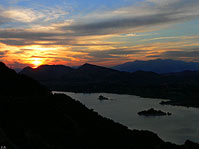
(158, 66)
(181, 87)
(46, 72)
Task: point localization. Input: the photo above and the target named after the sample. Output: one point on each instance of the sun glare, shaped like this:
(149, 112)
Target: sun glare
(36, 62)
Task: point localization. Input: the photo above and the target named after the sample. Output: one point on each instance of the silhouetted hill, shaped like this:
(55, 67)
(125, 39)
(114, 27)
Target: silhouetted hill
(59, 122)
(14, 84)
(86, 78)
(145, 77)
(93, 73)
(180, 87)
(17, 70)
(187, 73)
(46, 72)
(158, 66)
(89, 69)
(92, 78)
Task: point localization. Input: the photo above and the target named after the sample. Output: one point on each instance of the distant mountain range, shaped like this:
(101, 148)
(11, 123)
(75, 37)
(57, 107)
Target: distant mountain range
(181, 87)
(158, 66)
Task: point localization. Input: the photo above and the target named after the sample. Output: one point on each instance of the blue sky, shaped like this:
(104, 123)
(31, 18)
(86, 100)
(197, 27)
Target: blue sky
(103, 32)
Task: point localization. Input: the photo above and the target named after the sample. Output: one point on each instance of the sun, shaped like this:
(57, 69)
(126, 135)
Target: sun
(36, 62)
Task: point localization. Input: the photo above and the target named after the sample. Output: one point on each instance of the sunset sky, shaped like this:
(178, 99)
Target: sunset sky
(102, 32)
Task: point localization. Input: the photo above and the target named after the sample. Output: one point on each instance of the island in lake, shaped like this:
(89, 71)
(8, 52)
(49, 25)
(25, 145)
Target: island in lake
(153, 112)
(103, 98)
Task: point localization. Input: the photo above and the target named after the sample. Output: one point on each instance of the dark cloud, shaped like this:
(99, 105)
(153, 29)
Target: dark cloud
(23, 37)
(17, 42)
(109, 61)
(20, 37)
(178, 54)
(35, 56)
(3, 53)
(162, 14)
(115, 26)
(181, 54)
(115, 53)
(95, 56)
(25, 34)
(22, 51)
(3, 20)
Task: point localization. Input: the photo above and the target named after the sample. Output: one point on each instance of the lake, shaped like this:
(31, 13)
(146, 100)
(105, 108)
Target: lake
(183, 124)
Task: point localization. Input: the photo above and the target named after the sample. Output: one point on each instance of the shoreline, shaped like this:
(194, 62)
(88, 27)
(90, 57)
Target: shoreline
(93, 96)
(163, 101)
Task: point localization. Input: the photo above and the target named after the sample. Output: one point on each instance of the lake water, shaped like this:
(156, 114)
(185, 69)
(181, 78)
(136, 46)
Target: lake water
(183, 124)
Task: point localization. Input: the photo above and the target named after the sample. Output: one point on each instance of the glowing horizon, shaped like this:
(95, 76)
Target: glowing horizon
(74, 32)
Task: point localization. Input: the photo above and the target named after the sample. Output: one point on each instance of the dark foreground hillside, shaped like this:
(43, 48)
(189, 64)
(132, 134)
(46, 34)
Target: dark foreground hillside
(12, 84)
(59, 122)
(47, 121)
